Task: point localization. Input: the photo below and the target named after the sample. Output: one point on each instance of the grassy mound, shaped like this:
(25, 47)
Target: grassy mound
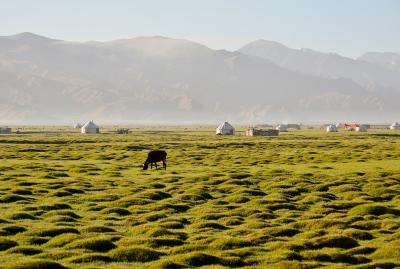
(161, 232)
(361, 250)
(196, 259)
(212, 225)
(22, 192)
(155, 195)
(3, 221)
(94, 244)
(135, 254)
(56, 206)
(67, 213)
(163, 242)
(6, 244)
(334, 242)
(334, 256)
(172, 225)
(372, 209)
(25, 250)
(11, 198)
(165, 264)
(34, 240)
(65, 220)
(116, 210)
(98, 229)
(62, 239)
(56, 231)
(388, 251)
(21, 215)
(380, 265)
(88, 258)
(36, 264)
(359, 234)
(229, 243)
(12, 230)
(282, 231)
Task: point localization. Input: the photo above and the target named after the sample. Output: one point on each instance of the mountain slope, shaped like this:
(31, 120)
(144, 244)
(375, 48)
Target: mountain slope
(329, 65)
(158, 79)
(385, 59)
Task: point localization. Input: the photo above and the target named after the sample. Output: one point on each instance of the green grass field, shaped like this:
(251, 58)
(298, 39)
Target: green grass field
(305, 199)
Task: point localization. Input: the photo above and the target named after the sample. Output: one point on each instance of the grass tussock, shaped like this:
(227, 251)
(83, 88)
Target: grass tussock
(21, 216)
(25, 250)
(36, 264)
(373, 209)
(230, 243)
(135, 254)
(6, 244)
(89, 258)
(334, 242)
(94, 244)
(62, 239)
(55, 231)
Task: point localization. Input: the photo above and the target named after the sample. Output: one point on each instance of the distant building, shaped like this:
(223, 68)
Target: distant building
(395, 126)
(362, 128)
(378, 126)
(90, 128)
(294, 126)
(350, 126)
(331, 128)
(282, 127)
(225, 129)
(261, 132)
(367, 125)
(77, 125)
(5, 130)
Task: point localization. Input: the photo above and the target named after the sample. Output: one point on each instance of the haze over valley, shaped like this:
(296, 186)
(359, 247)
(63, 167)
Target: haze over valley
(166, 80)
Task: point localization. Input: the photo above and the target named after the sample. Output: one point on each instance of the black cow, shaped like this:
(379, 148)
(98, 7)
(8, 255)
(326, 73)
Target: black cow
(155, 156)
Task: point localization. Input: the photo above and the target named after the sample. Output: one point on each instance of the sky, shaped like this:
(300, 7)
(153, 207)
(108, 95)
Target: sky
(347, 27)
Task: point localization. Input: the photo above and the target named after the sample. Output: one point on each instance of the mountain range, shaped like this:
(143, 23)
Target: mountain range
(166, 80)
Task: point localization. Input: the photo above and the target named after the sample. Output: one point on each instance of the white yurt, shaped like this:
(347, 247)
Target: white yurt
(361, 128)
(331, 128)
(282, 127)
(395, 126)
(90, 128)
(225, 129)
(77, 125)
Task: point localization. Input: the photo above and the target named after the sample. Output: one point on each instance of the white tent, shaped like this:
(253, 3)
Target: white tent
(331, 128)
(225, 129)
(77, 125)
(395, 126)
(282, 127)
(361, 128)
(90, 128)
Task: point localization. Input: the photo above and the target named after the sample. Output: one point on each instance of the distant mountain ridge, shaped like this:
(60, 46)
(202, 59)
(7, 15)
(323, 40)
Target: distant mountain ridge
(363, 70)
(386, 59)
(166, 80)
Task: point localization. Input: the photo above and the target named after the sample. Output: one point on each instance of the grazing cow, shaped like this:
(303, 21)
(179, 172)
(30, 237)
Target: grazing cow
(154, 157)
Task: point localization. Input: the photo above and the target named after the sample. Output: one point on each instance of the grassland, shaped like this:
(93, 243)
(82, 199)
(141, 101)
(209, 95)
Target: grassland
(305, 199)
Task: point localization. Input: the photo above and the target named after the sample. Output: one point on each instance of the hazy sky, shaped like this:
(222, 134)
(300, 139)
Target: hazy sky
(349, 27)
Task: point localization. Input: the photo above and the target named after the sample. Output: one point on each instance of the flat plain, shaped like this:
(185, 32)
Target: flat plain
(305, 199)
